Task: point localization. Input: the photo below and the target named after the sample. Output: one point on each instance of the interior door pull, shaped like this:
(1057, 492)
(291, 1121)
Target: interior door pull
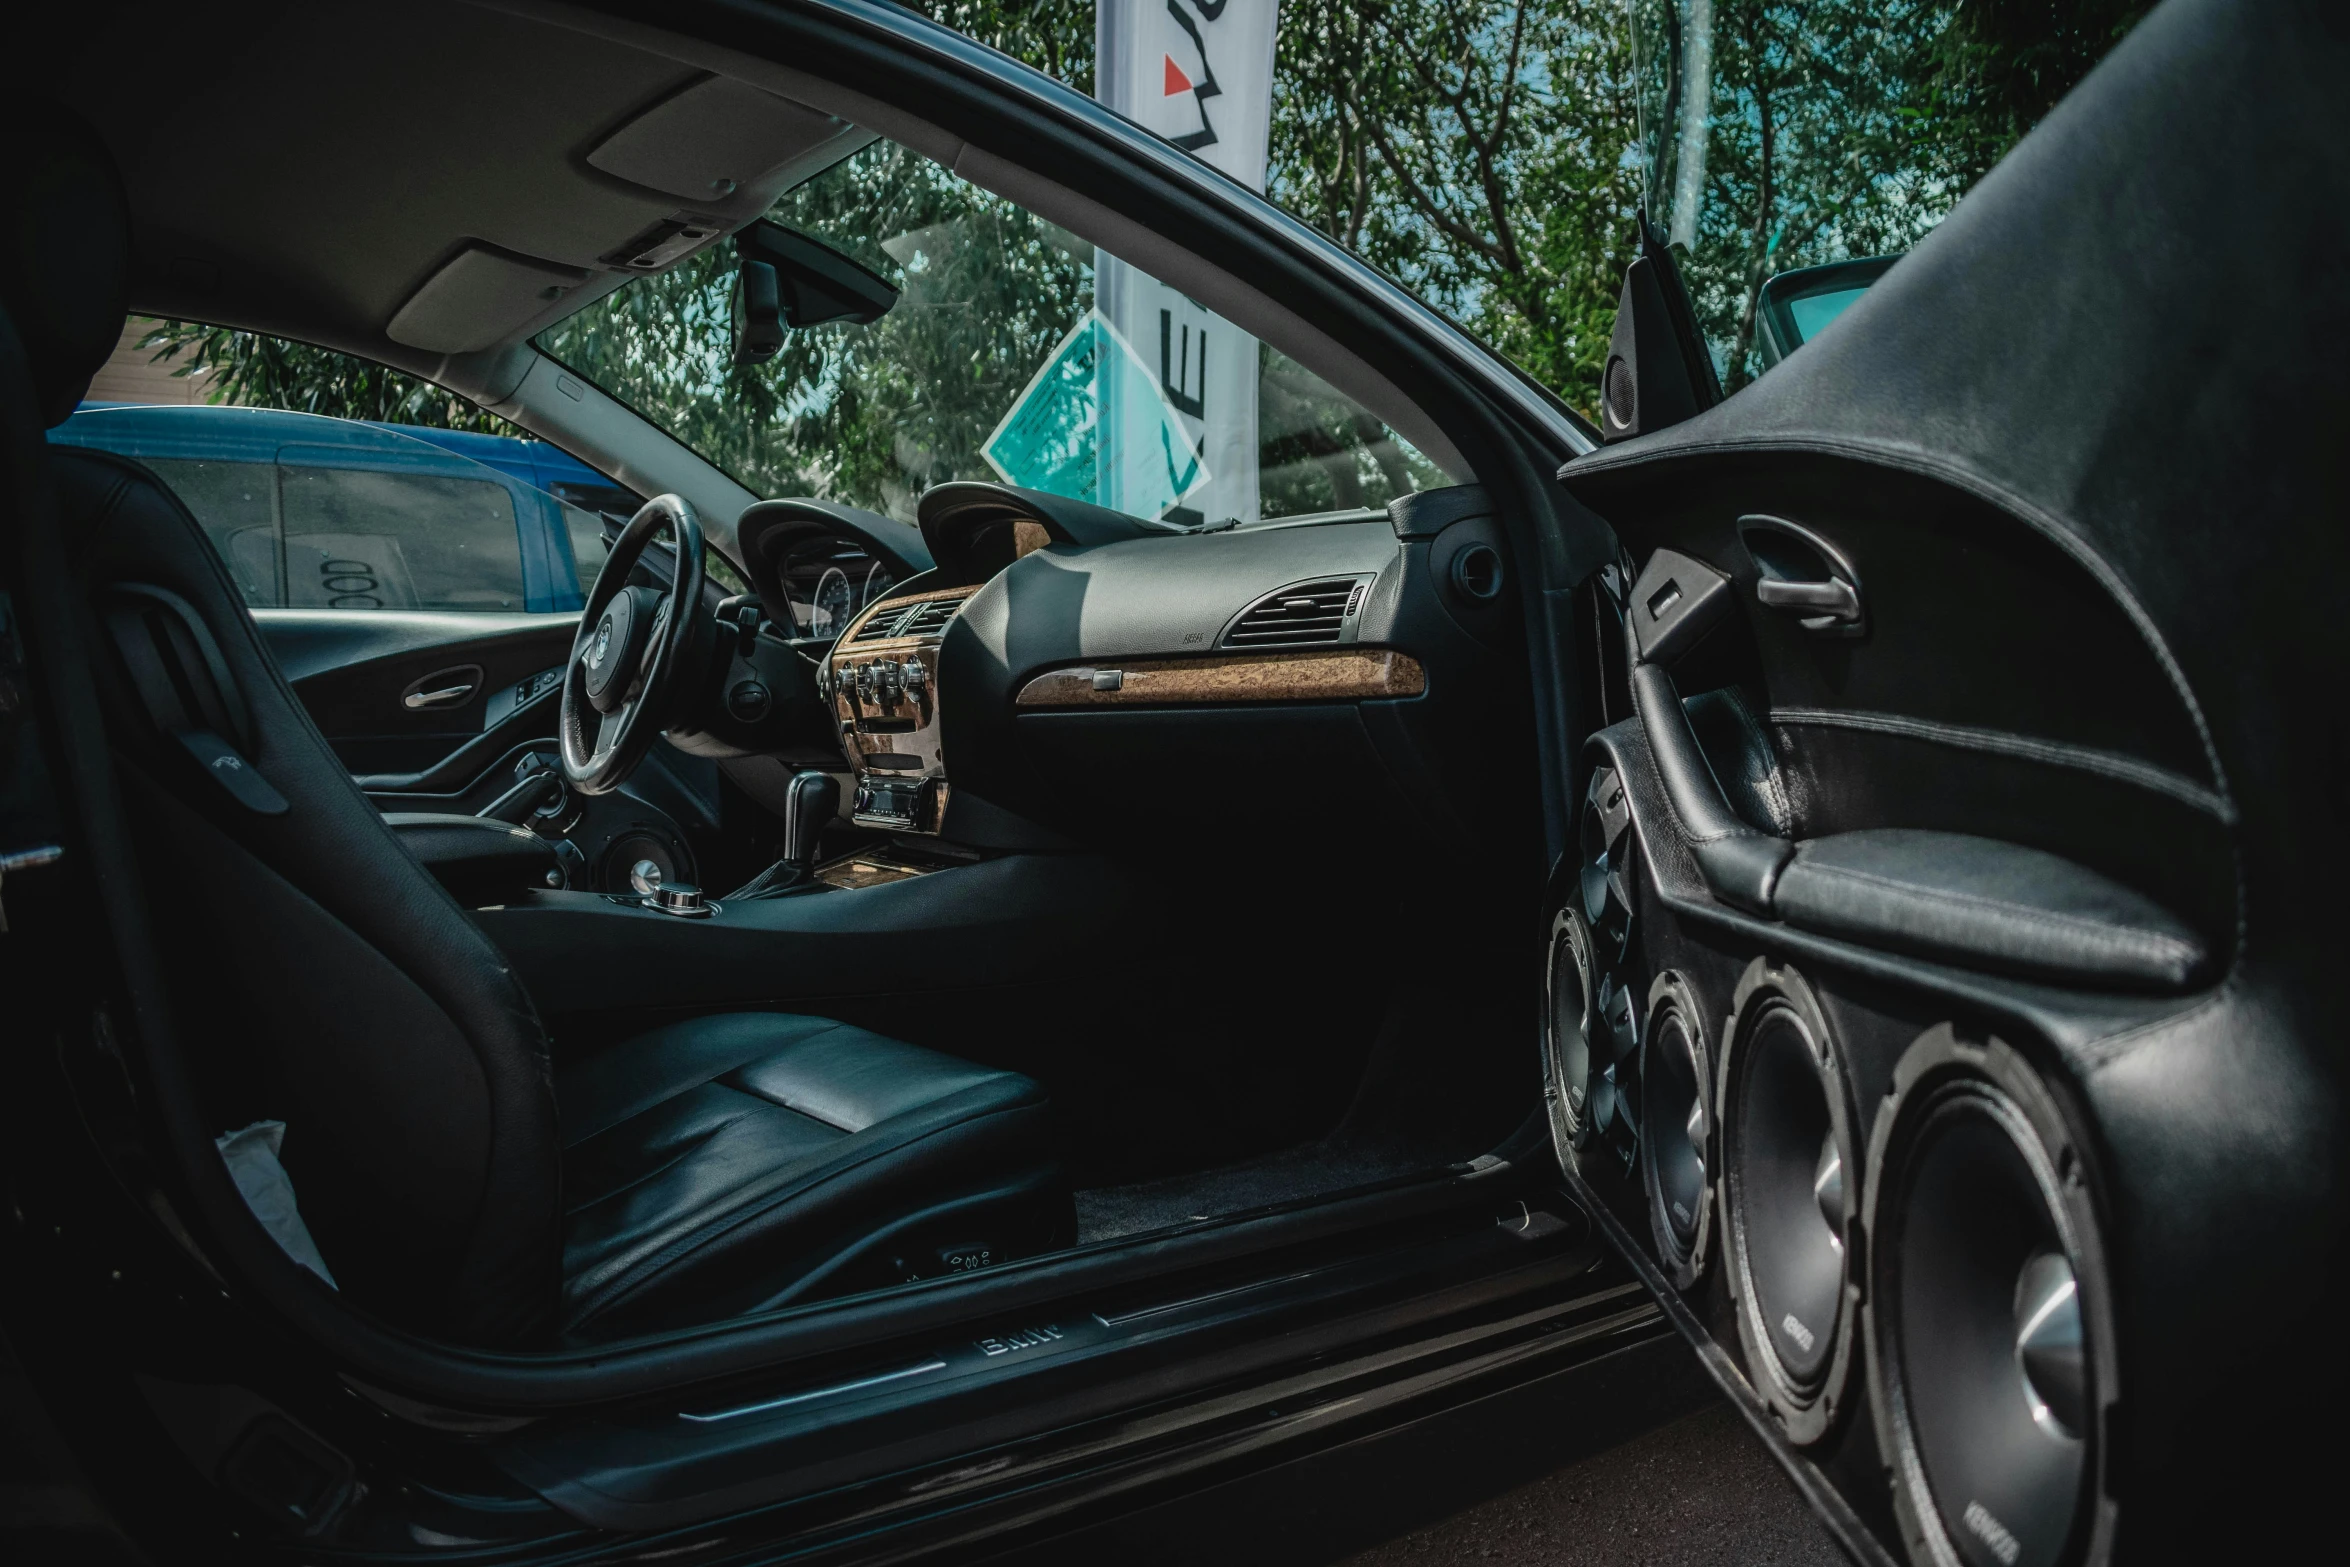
(1837, 601)
(442, 688)
(1797, 572)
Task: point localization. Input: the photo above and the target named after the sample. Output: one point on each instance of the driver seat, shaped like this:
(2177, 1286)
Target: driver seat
(454, 1182)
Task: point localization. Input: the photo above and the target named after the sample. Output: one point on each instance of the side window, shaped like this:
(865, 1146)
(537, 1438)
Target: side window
(384, 538)
(309, 511)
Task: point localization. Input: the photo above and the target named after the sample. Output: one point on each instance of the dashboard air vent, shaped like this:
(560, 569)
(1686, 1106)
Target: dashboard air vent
(882, 623)
(925, 619)
(1309, 614)
(928, 620)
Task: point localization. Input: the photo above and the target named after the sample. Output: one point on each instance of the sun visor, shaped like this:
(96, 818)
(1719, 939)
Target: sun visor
(725, 147)
(479, 298)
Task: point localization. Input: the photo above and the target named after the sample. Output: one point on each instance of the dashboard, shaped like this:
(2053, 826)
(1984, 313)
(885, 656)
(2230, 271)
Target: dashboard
(1026, 670)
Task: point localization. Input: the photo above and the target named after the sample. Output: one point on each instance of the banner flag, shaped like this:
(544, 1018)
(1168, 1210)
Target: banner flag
(1200, 73)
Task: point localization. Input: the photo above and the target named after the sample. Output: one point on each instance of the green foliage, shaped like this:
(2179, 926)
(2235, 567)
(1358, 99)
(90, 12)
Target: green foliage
(876, 412)
(1479, 151)
(255, 370)
(1490, 154)
(1844, 128)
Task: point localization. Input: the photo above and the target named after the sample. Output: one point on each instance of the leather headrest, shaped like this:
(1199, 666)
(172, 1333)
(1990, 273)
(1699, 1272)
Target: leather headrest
(64, 251)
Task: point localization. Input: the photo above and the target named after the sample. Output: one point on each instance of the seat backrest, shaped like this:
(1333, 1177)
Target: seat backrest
(319, 975)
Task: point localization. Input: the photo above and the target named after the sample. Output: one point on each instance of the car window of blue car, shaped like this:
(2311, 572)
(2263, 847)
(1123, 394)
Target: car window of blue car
(311, 512)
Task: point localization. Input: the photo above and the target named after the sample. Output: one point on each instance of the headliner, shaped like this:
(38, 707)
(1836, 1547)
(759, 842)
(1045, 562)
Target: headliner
(304, 170)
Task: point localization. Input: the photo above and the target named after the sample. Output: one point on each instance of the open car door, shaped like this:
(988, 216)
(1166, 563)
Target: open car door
(1940, 992)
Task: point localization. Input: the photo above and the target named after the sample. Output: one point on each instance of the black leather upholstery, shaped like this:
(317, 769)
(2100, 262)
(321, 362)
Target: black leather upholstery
(1985, 904)
(322, 977)
(728, 1160)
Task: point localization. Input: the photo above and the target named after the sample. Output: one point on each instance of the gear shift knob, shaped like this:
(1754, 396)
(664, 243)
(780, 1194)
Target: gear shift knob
(810, 801)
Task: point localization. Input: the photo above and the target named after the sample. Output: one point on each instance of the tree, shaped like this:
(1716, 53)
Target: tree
(1490, 154)
(257, 370)
(1841, 128)
(1478, 151)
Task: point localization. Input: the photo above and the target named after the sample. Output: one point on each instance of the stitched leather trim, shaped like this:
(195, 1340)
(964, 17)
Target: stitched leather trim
(2053, 753)
(2091, 931)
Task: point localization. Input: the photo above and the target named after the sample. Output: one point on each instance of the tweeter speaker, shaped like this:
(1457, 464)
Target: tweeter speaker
(1991, 1346)
(1788, 1188)
(1676, 1127)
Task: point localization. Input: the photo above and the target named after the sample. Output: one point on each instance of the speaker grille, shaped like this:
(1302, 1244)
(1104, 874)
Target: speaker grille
(1787, 1172)
(1989, 1333)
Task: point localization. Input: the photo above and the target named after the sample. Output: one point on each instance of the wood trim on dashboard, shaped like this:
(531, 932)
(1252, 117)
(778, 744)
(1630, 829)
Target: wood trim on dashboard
(1349, 675)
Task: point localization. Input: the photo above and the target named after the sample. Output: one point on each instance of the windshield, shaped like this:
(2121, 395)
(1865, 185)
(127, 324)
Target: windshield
(1013, 354)
(1781, 137)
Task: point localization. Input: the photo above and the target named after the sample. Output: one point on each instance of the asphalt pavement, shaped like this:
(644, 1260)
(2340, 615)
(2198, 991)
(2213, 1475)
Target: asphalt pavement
(1634, 1461)
(1700, 1492)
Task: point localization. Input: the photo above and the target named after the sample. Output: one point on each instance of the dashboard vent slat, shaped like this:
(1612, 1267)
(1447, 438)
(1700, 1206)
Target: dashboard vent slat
(930, 619)
(882, 624)
(924, 619)
(1311, 614)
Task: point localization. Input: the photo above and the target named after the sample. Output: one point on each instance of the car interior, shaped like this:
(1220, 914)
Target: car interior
(894, 1008)
(1020, 879)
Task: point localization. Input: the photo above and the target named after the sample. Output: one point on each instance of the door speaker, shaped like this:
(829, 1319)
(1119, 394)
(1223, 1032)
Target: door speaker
(1991, 1347)
(1789, 1177)
(1568, 985)
(1608, 1135)
(1676, 1127)
(640, 860)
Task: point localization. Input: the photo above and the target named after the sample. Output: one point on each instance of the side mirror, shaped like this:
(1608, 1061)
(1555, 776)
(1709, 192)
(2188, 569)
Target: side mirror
(814, 282)
(1794, 307)
(1658, 372)
(758, 314)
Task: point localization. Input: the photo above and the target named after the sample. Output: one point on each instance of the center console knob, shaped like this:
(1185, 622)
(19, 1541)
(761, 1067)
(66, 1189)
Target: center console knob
(678, 897)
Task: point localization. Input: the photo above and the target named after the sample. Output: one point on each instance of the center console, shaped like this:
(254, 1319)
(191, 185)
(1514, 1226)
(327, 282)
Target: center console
(881, 681)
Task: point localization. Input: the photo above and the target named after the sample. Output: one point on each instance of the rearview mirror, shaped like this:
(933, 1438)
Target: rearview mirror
(814, 282)
(758, 314)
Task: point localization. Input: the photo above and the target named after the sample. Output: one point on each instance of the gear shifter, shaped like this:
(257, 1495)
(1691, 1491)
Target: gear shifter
(810, 801)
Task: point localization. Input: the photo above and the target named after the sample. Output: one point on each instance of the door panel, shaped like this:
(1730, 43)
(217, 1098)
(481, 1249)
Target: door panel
(355, 672)
(1881, 1115)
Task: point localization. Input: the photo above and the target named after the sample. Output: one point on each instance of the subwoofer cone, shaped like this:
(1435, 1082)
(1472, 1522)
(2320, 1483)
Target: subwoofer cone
(1787, 1157)
(1676, 1134)
(1566, 1032)
(1990, 1330)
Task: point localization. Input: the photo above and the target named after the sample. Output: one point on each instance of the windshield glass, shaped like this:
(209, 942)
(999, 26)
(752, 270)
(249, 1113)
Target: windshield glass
(1778, 137)
(1013, 354)
(312, 512)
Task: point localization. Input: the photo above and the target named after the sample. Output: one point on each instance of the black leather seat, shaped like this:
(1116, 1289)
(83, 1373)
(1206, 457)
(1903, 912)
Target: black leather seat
(455, 1184)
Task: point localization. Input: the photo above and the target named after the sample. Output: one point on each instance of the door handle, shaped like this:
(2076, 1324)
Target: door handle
(442, 688)
(1797, 572)
(1833, 599)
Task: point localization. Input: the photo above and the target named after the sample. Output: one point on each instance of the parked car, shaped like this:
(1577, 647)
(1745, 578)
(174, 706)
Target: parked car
(1112, 968)
(322, 513)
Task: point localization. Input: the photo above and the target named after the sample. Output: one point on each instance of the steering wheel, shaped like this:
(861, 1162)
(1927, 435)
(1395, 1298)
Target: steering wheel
(634, 645)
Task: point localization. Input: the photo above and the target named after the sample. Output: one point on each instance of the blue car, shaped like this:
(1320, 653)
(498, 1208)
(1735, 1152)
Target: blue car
(319, 513)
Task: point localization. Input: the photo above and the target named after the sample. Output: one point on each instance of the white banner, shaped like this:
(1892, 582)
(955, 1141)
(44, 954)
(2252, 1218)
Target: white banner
(1200, 73)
